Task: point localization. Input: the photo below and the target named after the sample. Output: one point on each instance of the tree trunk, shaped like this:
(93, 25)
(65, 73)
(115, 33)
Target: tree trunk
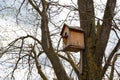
(87, 22)
(95, 42)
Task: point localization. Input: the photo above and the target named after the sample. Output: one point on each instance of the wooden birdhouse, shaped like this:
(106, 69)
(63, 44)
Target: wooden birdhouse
(73, 38)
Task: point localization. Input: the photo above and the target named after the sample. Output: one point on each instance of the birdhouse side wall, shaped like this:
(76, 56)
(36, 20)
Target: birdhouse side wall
(76, 38)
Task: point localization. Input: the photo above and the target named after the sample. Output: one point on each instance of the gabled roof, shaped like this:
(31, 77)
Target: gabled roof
(76, 28)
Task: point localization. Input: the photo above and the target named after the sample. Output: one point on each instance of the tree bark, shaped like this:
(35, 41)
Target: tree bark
(103, 36)
(87, 22)
(95, 43)
(105, 30)
(47, 46)
(54, 59)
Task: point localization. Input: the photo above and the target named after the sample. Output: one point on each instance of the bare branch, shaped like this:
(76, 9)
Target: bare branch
(113, 67)
(75, 67)
(110, 58)
(12, 77)
(35, 7)
(20, 8)
(115, 33)
(37, 64)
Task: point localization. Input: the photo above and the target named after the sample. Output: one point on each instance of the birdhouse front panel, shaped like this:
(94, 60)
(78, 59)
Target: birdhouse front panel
(65, 36)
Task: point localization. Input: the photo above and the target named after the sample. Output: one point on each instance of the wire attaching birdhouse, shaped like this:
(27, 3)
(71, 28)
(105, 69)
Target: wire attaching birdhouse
(73, 38)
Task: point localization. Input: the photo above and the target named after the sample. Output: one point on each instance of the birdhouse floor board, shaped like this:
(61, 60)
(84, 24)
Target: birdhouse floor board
(72, 48)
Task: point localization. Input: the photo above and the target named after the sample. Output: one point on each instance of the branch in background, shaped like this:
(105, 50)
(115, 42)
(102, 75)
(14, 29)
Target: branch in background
(115, 25)
(3, 51)
(117, 72)
(113, 66)
(35, 7)
(105, 30)
(70, 7)
(116, 33)
(5, 8)
(75, 67)
(37, 63)
(107, 64)
(63, 57)
(20, 8)
(58, 44)
(16, 65)
(20, 57)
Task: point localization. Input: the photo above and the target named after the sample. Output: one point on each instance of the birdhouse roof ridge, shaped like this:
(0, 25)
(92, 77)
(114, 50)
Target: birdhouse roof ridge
(76, 27)
(72, 28)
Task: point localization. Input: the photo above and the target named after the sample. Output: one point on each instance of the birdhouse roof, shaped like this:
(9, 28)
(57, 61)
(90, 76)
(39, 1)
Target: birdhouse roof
(76, 28)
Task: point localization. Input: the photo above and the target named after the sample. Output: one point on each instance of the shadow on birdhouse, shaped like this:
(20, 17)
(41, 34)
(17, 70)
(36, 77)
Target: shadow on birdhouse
(73, 38)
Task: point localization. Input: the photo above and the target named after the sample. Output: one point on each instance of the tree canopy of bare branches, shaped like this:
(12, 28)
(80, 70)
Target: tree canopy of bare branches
(41, 53)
